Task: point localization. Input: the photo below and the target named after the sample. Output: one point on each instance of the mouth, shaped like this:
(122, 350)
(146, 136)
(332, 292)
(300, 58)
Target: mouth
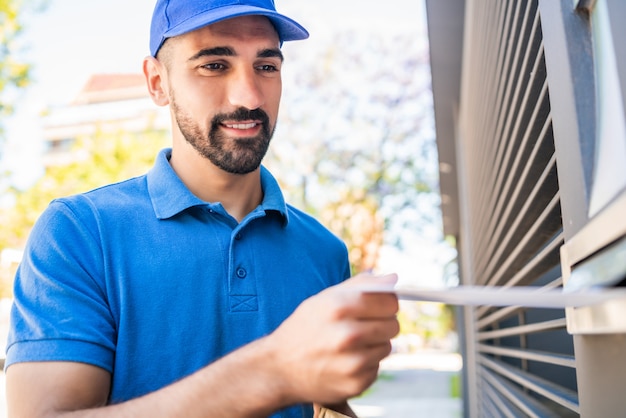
(247, 128)
(242, 125)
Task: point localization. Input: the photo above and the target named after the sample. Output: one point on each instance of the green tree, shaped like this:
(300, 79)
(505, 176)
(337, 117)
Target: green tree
(354, 217)
(96, 160)
(14, 70)
(357, 112)
(13, 73)
(14, 78)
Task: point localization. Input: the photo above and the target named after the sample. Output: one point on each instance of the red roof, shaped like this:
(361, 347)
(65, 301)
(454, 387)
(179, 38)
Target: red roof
(112, 87)
(101, 82)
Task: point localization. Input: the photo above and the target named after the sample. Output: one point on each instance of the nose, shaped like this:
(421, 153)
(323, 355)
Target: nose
(245, 90)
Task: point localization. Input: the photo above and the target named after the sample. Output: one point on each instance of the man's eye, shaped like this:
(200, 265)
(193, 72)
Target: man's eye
(267, 68)
(213, 66)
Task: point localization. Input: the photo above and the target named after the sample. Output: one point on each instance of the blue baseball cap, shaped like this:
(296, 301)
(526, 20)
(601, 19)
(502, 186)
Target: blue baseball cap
(176, 17)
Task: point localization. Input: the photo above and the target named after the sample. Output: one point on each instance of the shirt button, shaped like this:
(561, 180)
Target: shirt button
(238, 236)
(241, 273)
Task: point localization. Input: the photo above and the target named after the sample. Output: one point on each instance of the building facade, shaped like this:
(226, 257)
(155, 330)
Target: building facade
(106, 103)
(531, 130)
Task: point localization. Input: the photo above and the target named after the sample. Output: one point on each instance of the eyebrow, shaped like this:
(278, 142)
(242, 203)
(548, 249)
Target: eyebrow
(225, 51)
(271, 53)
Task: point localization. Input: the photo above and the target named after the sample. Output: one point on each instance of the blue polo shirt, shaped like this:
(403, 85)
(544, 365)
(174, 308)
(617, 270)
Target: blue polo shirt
(150, 283)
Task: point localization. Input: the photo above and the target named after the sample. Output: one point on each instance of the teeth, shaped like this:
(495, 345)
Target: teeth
(242, 125)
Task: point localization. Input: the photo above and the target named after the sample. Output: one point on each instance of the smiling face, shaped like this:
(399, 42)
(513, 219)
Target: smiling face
(224, 87)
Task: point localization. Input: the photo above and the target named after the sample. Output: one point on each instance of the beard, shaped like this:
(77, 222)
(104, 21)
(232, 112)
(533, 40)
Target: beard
(233, 155)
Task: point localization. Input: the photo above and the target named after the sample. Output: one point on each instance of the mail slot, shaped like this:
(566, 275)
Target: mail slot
(604, 269)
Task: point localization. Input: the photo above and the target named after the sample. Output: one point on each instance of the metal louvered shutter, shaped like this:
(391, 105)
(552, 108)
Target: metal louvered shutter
(523, 357)
(527, 94)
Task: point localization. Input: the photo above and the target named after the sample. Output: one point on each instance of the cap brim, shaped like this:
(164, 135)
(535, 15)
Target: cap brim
(288, 29)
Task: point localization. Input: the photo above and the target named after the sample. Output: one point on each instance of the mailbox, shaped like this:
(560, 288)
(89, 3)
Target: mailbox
(596, 257)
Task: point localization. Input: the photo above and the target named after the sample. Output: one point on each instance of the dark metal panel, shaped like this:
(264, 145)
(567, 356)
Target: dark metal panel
(509, 202)
(495, 405)
(549, 390)
(527, 405)
(510, 210)
(503, 313)
(570, 67)
(544, 357)
(523, 329)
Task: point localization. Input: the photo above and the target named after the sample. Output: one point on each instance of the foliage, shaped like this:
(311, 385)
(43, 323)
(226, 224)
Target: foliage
(97, 160)
(354, 217)
(14, 77)
(456, 389)
(14, 71)
(430, 322)
(358, 115)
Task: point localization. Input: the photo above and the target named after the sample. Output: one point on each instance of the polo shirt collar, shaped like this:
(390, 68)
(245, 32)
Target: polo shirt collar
(170, 196)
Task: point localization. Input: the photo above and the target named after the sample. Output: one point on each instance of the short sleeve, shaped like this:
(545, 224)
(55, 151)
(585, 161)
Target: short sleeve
(60, 310)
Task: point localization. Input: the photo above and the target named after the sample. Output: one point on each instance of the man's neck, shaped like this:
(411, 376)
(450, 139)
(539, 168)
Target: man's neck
(239, 194)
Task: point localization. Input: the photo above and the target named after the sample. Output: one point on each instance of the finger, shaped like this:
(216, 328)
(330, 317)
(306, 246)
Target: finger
(372, 304)
(378, 305)
(355, 336)
(353, 304)
(367, 359)
(373, 333)
(380, 351)
(371, 279)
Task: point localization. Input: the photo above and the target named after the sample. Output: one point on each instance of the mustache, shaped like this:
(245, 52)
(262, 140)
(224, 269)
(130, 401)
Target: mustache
(241, 114)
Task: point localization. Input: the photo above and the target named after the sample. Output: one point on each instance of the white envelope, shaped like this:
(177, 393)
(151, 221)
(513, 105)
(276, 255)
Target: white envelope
(527, 296)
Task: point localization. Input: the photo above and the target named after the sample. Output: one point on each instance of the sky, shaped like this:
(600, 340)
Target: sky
(73, 39)
(65, 44)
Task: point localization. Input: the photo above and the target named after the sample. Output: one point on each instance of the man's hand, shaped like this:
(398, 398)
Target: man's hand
(329, 349)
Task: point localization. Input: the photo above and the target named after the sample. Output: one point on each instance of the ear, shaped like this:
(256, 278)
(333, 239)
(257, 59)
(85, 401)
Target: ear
(156, 78)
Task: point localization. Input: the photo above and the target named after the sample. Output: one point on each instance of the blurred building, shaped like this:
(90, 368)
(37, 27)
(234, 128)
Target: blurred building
(529, 105)
(107, 102)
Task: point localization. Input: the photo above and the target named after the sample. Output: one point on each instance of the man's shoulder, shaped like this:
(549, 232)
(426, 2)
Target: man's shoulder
(135, 186)
(111, 197)
(309, 225)
(301, 217)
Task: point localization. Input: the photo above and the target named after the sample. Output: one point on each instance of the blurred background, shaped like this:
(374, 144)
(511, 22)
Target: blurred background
(355, 147)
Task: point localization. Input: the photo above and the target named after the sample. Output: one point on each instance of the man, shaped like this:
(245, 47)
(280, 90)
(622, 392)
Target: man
(195, 291)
